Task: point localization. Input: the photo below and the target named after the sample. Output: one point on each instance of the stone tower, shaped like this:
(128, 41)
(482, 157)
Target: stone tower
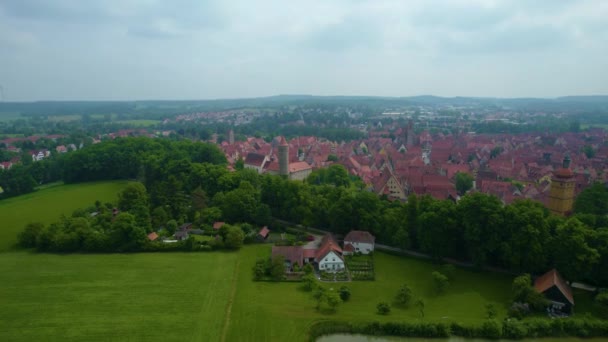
(283, 157)
(231, 137)
(561, 195)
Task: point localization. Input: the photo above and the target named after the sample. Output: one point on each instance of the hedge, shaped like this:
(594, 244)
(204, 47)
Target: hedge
(489, 329)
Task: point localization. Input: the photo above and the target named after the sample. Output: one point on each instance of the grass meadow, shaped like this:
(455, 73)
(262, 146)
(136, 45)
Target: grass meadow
(10, 116)
(47, 205)
(141, 123)
(198, 296)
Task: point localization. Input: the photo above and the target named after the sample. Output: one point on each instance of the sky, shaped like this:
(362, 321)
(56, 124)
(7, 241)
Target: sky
(205, 49)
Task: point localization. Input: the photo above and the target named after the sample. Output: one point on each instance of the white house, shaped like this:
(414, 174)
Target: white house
(358, 241)
(331, 262)
(329, 255)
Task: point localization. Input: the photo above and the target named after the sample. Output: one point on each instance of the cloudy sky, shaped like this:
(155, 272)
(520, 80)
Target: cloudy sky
(202, 49)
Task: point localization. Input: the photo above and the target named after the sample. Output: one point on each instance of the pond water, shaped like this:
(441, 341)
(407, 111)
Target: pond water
(363, 338)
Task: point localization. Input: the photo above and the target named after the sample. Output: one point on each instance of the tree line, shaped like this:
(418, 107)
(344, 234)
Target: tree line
(189, 182)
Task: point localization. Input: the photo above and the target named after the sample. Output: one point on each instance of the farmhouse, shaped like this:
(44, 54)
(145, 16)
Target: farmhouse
(555, 289)
(358, 241)
(327, 257)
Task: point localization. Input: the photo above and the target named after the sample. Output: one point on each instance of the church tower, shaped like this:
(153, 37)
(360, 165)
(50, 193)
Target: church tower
(283, 157)
(561, 195)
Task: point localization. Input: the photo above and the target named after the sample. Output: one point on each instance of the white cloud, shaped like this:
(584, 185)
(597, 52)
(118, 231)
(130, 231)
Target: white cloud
(191, 49)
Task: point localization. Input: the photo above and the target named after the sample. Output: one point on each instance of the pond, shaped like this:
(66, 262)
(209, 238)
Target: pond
(363, 338)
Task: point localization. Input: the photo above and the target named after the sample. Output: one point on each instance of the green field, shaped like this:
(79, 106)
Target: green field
(585, 126)
(142, 123)
(136, 297)
(206, 297)
(48, 204)
(65, 118)
(9, 116)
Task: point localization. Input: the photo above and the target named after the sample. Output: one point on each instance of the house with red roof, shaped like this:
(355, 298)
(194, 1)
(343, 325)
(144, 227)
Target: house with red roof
(293, 255)
(263, 234)
(256, 161)
(359, 241)
(556, 290)
(329, 255)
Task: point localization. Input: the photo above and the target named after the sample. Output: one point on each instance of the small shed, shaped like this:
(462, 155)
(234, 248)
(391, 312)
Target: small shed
(181, 235)
(263, 234)
(152, 236)
(555, 289)
(218, 225)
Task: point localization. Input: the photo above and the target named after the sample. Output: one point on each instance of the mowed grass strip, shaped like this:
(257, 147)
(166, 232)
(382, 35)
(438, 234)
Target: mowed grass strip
(114, 297)
(49, 204)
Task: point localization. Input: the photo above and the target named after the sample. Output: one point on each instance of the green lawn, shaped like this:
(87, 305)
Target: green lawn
(48, 204)
(143, 123)
(207, 297)
(282, 312)
(126, 297)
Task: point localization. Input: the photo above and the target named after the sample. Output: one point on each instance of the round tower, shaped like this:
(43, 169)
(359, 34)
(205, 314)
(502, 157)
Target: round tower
(561, 194)
(283, 157)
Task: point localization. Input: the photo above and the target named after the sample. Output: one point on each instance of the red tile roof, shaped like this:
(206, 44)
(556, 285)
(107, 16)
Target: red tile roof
(152, 236)
(553, 278)
(218, 225)
(292, 253)
(359, 236)
(298, 166)
(264, 232)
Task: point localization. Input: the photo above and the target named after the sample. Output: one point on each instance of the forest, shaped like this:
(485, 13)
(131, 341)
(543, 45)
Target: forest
(189, 183)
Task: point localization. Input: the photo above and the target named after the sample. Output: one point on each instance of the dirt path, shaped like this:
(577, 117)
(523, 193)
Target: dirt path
(230, 301)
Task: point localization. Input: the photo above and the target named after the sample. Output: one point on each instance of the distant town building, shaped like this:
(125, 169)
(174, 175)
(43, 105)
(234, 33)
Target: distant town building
(561, 195)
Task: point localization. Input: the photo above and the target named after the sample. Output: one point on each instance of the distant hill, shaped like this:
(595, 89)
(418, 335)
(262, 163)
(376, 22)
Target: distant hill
(167, 107)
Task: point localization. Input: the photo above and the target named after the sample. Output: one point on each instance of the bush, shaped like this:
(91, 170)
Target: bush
(383, 308)
(27, 238)
(449, 271)
(514, 329)
(519, 310)
(491, 329)
(308, 282)
(601, 302)
(440, 282)
(404, 295)
(344, 293)
(308, 269)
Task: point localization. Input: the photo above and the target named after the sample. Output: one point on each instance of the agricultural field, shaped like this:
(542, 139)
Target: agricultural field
(142, 123)
(585, 126)
(9, 116)
(114, 297)
(64, 118)
(47, 205)
(360, 267)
